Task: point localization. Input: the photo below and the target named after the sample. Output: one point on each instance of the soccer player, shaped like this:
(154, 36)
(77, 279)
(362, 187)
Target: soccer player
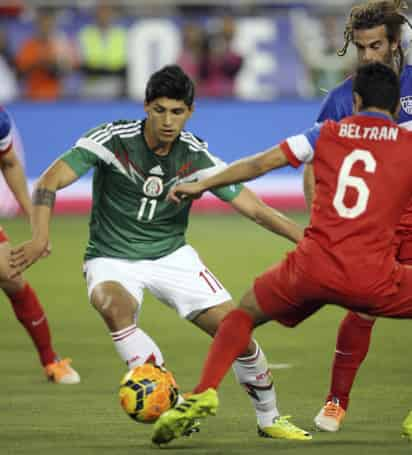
(374, 28)
(346, 256)
(137, 237)
(23, 298)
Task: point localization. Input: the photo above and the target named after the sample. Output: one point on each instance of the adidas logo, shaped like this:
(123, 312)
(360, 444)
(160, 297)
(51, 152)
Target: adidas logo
(157, 170)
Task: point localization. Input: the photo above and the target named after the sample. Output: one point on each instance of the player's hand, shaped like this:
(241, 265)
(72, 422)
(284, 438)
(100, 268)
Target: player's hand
(185, 190)
(48, 251)
(26, 254)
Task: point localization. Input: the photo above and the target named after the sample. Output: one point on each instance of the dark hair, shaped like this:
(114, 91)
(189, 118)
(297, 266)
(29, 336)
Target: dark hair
(378, 85)
(170, 82)
(374, 13)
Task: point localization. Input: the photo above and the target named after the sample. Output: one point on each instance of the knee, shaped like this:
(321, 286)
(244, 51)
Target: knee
(249, 304)
(113, 306)
(12, 286)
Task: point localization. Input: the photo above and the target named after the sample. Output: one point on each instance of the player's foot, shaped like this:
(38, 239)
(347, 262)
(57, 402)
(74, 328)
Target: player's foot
(281, 428)
(179, 420)
(330, 417)
(407, 427)
(61, 372)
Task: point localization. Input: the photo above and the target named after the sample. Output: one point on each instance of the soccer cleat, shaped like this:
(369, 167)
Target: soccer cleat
(330, 417)
(60, 372)
(407, 427)
(283, 429)
(180, 420)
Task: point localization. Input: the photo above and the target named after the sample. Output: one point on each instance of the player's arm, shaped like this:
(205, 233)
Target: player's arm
(240, 171)
(57, 176)
(15, 178)
(248, 204)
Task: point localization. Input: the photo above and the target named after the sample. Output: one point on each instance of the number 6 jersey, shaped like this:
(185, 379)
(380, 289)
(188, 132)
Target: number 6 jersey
(131, 217)
(363, 181)
(339, 104)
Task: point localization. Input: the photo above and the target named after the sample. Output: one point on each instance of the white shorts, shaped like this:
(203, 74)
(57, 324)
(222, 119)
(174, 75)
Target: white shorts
(180, 280)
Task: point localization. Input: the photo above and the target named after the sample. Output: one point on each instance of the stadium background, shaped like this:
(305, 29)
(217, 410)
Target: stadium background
(276, 92)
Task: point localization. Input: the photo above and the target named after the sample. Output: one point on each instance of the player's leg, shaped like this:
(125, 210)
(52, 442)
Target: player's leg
(231, 340)
(251, 368)
(30, 314)
(405, 257)
(398, 306)
(352, 346)
(200, 297)
(116, 294)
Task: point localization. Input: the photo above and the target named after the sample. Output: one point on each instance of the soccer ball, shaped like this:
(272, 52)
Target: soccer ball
(147, 391)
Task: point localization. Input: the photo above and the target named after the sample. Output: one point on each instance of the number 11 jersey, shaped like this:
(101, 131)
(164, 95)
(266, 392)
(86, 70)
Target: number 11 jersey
(131, 218)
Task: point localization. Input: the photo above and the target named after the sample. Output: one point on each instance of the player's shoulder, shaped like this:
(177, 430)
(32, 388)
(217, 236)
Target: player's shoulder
(328, 125)
(338, 102)
(344, 89)
(118, 128)
(192, 142)
(406, 77)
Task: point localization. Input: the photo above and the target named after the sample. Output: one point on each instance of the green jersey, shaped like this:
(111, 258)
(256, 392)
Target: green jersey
(131, 218)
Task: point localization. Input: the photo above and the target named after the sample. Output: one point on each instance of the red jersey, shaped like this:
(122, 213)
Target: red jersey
(363, 181)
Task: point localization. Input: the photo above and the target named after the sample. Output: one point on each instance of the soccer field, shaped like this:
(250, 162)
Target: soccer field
(41, 418)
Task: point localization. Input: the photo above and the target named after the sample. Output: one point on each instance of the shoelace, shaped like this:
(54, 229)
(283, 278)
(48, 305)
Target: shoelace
(284, 420)
(63, 365)
(331, 409)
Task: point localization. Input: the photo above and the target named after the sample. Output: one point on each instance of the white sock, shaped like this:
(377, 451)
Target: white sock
(135, 347)
(253, 374)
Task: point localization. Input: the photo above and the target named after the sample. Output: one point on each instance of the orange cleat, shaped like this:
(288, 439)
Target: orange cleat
(60, 372)
(330, 417)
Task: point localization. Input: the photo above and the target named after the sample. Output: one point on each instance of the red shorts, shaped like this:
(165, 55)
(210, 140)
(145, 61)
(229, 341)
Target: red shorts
(3, 236)
(288, 296)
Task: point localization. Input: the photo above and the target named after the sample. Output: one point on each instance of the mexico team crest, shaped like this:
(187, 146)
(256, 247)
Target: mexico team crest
(153, 186)
(406, 103)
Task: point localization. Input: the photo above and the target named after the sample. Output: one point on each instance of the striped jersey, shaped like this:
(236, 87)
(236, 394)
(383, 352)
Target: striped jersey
(338, 104)
(130, 217)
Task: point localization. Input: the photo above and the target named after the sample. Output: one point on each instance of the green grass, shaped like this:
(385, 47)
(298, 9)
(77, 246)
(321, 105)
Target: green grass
(40, 418)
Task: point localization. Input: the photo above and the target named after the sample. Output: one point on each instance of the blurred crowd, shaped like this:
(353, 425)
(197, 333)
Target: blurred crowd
(91, 61)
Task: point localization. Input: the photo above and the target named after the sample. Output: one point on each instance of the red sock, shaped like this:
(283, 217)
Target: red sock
(231, 339)
(352, 345)
(30, 313)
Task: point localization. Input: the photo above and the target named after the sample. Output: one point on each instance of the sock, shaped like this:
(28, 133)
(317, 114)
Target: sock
(30, 313)
(253, 373)
(135, 347)
(231, 339)
(352, 345)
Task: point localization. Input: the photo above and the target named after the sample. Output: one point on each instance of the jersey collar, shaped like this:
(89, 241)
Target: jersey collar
(376, 114)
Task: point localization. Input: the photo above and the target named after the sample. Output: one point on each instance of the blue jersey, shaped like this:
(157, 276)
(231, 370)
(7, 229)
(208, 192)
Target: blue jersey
(5, 131)
(338, 104)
